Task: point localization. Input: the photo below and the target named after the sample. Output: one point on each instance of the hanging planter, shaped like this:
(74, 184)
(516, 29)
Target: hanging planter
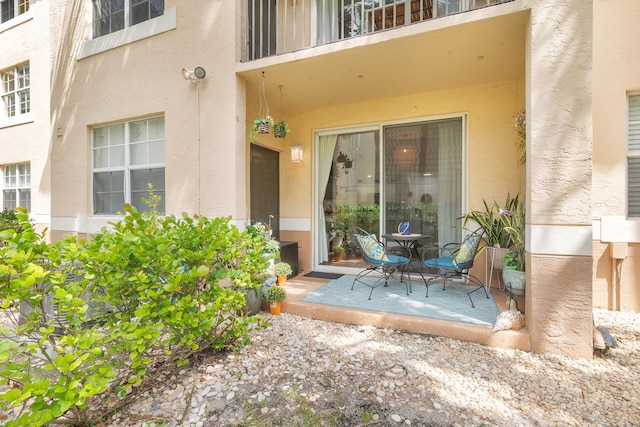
(280, 129)
(265, 124)
(260, 126)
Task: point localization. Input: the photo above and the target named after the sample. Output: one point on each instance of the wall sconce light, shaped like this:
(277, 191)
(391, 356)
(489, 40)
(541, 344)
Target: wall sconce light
(297, 154)
(194, 75)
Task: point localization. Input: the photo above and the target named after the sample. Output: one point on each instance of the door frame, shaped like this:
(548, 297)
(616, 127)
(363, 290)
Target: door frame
(315, 262)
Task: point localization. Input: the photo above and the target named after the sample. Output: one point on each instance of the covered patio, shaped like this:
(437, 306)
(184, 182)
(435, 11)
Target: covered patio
(301, 286)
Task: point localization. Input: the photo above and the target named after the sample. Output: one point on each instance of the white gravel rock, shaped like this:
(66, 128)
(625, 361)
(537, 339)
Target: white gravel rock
(360, 374)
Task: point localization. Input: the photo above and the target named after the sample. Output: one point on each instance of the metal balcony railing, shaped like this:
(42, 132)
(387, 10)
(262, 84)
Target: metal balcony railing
(279, 26)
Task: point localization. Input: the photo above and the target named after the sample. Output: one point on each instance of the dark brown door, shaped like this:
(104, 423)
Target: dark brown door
(265, 187)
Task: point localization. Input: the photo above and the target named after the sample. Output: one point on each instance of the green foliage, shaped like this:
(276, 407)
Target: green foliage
(520, 126)
(494, 220)
(275, 293)
(281, 129)
(260, 125)
(366, 217)
(9, 221)
(282, 268)
(338, 250)
(262, 235)
(150, 290)
(515, 228)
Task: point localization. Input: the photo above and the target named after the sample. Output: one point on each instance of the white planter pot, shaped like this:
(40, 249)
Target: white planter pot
(514, 281)
(494, 257)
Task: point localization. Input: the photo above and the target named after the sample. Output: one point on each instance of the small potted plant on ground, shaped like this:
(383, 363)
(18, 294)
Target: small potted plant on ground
(275, 295)
(338, 252)
(280, 129)
(262, 125)
(282, 270)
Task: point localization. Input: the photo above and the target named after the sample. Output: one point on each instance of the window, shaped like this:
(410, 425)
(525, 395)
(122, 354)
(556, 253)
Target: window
(127, 157)
(16, 93)
(633, 157)
(16, 186)
(8, 9)
(113, 15)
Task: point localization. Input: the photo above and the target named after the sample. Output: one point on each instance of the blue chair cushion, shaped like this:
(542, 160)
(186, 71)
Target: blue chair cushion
(467, 251)
(371, 248)
(443, 261)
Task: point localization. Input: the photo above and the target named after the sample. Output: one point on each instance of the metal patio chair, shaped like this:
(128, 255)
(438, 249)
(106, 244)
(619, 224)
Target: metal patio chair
(454, 261)
(382, 260)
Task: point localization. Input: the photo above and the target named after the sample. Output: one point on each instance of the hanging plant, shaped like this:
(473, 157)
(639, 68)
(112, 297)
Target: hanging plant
(260, 126)
(280, 129)
(521, 139)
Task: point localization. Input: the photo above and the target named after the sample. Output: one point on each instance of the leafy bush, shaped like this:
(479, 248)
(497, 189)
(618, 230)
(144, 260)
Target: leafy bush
(88, 321)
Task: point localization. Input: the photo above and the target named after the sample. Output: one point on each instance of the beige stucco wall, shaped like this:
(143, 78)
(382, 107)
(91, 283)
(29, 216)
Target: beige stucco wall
(616, 62)
(22, 140)
(203, 130)
(559, 176)
(490, 148)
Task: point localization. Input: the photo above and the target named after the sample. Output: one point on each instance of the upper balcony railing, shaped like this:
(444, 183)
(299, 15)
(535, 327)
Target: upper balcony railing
(279, 26)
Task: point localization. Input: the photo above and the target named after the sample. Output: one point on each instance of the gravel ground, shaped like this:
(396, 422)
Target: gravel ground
(305, 372)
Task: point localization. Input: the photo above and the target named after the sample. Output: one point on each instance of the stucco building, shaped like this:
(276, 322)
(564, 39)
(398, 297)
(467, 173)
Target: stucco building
(406, 106)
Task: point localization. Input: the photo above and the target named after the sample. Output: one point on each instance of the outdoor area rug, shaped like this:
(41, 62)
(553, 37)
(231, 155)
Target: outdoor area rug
(321, 275)
(451, 304)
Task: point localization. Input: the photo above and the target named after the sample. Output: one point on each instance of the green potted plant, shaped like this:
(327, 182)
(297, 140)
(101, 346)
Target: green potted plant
(260, 125)
(494, 220)
(280, 129)
(513, 272)
(338, 251)
(275, 295)
(282, 270)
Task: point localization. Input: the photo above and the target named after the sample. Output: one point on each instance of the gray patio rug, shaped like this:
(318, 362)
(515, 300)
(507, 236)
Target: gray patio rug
(451, 304)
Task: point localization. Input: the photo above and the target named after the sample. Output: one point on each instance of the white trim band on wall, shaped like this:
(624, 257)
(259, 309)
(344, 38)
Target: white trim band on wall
(295, 224)
(560, 240)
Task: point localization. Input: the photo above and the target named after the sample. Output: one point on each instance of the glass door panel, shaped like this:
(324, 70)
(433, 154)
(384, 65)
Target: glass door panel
(423, 179)
(352, 193)
(420, 168)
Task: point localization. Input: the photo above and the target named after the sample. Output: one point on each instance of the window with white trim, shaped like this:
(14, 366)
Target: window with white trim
(633, 157)
(127, 157)
(16, 186)
(9, 9)
(16, 91)
(113, 15)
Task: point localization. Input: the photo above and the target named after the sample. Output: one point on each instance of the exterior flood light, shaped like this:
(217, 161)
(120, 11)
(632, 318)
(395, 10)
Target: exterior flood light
(194, 75)
(297, 154)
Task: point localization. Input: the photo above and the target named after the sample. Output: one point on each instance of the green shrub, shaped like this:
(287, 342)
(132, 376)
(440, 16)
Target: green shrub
(151, 290)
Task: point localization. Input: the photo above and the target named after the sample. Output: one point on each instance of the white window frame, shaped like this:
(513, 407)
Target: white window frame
(19, 77)
(633, 155)
(128, 4)
(20, 185)
(127, 167)
(20, 7)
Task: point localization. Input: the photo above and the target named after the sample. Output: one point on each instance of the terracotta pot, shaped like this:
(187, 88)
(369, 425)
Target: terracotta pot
(274, 307)
(338, 257)
(282, 280)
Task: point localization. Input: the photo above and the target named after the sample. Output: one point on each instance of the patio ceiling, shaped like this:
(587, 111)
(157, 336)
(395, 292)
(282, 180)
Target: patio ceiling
(422, 59)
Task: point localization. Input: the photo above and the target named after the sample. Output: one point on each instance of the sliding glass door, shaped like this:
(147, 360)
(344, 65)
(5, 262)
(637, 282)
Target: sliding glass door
(377, 177)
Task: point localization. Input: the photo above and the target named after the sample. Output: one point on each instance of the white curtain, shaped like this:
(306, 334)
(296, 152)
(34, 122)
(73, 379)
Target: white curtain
(449, 181)
(325, 26)
(326, 148)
